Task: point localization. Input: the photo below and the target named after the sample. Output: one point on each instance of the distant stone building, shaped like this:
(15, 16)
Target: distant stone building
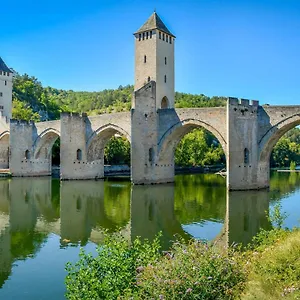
(6, 76)
(154, 60)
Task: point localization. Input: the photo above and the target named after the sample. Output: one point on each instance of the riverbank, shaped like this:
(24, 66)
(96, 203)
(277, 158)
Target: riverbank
(269, 269)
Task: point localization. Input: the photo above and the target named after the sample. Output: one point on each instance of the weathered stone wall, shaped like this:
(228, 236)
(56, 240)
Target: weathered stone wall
(242, 161)
(24, 139)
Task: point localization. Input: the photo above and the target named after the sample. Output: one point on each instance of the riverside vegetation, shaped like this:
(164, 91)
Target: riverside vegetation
(32, 101)
(269, 268)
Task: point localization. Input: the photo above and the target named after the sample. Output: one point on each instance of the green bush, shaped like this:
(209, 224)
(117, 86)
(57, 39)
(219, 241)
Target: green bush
(112, 273)
(292, 165)
(193, 271)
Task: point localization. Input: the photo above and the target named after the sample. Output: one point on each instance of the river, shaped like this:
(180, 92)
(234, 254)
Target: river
(44, 222)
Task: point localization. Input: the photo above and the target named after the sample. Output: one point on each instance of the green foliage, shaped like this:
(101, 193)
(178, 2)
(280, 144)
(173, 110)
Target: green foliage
(287, 150)
(274, 266)
(140, 271)
(21, 111)
(292, 166)
(32, 101)
(193, 271)
(112, 273)
(199, 148)
(117, 151)
(277, 216)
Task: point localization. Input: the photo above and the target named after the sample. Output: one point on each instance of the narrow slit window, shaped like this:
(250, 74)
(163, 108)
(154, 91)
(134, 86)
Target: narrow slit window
(27, 154)
(159, 35)
(145, 58)
(165, 60)
(167, 38)
(150, 34)
(246, 156)
(163, 36)
(165, 78)
(140, 36)
(170, 40)
(151, 155)
(79, 154)
(143, 35)
(149, 78)
(147, 35)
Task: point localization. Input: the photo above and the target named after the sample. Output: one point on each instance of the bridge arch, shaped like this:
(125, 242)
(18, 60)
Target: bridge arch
(99, 138)
(4, 150)
(44, 143)
(272, 136)
(171, 138)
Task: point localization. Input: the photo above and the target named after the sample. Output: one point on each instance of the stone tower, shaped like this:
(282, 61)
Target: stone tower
(5, 89)
(154, 60)
(153, 97)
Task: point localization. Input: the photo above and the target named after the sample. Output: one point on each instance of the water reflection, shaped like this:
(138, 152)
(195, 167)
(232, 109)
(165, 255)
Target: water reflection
(80, 211)
(246, 213)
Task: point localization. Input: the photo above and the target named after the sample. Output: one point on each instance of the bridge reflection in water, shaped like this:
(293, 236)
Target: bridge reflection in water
(81, 211)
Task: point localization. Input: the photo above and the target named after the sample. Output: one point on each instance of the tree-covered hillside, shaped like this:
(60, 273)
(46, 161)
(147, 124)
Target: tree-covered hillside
(33, 101)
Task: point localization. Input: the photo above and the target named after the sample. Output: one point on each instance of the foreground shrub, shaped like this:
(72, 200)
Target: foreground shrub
(193, 271)
(112, 273)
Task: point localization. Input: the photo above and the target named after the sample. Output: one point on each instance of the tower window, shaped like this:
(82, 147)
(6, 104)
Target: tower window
(151, 155)
(163, 36)
(145, 58)
(1, 94)
(143, 35)
(140, 36)
(5, 82)
(165, 78)
(159, 35)
(167, 38)
(170, 40)
(27, 154)
(164, 103)
(147, 35)
(151, 34)
(246, 156)
(149, 78)
(79, 154)
(165, 60)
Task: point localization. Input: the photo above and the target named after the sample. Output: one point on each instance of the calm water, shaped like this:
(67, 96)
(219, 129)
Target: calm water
(44, 222)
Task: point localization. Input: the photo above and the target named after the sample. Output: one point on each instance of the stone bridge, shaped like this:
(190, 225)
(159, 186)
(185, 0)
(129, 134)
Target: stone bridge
(246, 131)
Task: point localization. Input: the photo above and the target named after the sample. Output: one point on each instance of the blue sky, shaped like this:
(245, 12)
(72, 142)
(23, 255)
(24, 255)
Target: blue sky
(248, 49)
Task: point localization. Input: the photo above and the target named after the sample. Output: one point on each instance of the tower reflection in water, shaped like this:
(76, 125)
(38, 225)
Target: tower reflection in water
(81, 211)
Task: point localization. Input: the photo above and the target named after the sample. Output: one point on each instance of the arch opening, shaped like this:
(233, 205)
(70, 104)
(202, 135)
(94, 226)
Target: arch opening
(192, 144)
(47, 148)
(109, 145)
(4, 150)
(280, 147)
(164, 103)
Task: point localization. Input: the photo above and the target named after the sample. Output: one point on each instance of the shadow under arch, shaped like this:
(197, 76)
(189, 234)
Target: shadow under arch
(171, 138)
(272, 136)
(4, 150)
(44, 143)
(99, 138)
